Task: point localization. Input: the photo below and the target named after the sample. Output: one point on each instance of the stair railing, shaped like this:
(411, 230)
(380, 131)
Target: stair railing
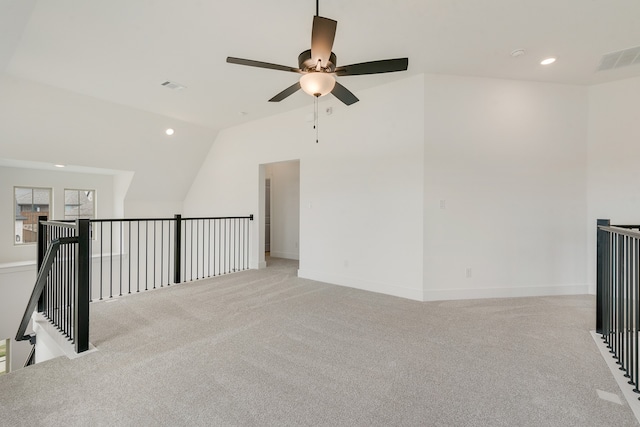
(61, 291)
(618, 295)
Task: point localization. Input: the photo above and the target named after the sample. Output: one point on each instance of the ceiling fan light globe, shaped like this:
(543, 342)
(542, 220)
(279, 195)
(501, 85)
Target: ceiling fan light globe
(317, 83)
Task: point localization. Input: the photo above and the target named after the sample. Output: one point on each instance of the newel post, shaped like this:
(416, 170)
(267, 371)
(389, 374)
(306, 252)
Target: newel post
(177, 242)
(42, 250)
(602, 244)
(83, 282)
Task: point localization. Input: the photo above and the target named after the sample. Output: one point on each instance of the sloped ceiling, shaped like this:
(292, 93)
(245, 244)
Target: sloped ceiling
(122, 50)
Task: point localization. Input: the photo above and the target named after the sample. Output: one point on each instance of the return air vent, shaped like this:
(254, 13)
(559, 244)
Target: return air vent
(173, 85)
(619, 59)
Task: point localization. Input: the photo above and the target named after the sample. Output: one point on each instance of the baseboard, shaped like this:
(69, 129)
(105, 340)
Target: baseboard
(515, 292)
(365, 285)
(285, 255)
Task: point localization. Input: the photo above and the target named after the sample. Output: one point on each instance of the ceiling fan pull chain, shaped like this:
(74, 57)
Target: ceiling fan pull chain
(315, 116)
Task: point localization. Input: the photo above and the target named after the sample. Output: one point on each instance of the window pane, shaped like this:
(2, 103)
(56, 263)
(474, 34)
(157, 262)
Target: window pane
(86, 204)
(79, 204)
(24, 195)
(30, 203)
(41, 200)
(3, 356)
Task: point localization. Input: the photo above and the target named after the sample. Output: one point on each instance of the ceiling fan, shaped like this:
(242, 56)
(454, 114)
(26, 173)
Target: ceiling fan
(318, 65)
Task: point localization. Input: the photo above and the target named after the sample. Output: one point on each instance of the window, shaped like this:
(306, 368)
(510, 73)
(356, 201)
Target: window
(30, 203)
(3, 356)
(79, 204)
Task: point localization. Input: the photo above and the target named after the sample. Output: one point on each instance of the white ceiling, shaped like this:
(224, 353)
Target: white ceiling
(122, 50)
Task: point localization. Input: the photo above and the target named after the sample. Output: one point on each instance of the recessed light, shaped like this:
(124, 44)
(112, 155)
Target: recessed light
(169, 131)
(548, 61)
(59, 166)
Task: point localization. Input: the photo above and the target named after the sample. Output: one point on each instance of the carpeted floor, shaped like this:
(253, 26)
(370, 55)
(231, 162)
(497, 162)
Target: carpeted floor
(266, 348)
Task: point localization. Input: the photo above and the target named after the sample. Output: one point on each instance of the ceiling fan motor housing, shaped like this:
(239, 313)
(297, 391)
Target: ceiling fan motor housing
(306, 63)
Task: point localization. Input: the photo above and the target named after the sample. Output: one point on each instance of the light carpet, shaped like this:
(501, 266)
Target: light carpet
(265, 348)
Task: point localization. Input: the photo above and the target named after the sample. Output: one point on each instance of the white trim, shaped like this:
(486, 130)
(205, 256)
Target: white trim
(514, 292)
(285, 255)
(365, 285)
(17, 267)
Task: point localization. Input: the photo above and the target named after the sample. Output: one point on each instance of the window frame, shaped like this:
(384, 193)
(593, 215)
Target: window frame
(14, 207)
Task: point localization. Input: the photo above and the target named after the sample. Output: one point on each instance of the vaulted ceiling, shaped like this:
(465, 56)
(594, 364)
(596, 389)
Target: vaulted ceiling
(122, 50)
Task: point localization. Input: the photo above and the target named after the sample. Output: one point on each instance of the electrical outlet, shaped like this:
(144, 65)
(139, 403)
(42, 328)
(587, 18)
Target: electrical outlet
(468, 272)
(443, 204)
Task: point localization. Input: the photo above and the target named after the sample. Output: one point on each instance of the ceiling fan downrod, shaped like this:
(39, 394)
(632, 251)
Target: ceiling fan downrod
(317, 7)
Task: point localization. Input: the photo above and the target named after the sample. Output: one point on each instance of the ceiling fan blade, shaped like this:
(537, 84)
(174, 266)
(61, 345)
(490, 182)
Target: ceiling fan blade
(260, 64)
(288, 91)
(322, 35)
(373, 67)
(344, 94)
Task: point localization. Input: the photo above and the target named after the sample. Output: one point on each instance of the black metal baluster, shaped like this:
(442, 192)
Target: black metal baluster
(146, 255)
(215, 241)
(138, 263)
(209, 249)
(621, 300)
(110, 259)
(636, 311)
(197, 248)
(129, 255)
(246, 243)
(203, 229)
(169, 253)
(161, 254)
(191, 249)
(72, 289)
(184, 252)
(628, 321)
(121, 250)
(226, 249)
(154, 254)
(63, 290)
(625, 310)
(612, 276)
(56, 310)
(101, 243)
(614, 284)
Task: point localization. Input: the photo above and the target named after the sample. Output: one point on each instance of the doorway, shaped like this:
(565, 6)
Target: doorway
(267, 216)
(280, 216)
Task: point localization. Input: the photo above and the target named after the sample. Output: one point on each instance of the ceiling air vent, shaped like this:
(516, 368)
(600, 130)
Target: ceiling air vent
(622, 58)
(173, 85)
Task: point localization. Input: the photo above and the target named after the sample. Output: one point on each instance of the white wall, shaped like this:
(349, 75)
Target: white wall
(361, 186)
(505, 192)
(613, 153)
(285, 208)
(58, 181)
(75, 129)
(152, 209)
(16, 285)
